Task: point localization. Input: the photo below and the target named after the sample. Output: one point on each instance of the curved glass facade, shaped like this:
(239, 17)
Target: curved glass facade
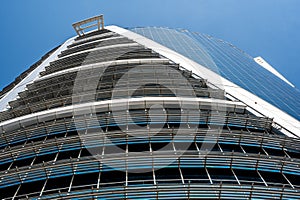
(112, 119)
(230, 62)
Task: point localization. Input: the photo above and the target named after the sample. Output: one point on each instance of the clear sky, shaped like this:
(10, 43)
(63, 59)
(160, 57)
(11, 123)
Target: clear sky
(267, 28)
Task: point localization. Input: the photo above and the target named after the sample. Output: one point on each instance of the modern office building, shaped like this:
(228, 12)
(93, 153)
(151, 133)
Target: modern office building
(149, 113)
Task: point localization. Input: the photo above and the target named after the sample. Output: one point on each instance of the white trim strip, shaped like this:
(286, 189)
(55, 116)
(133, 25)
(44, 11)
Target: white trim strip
(259, 60)
(84, 106)
(92, 37)
(101, 48)
(105, 64)
(95, 41)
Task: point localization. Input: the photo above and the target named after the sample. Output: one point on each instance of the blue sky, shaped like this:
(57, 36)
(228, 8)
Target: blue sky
(267, 28)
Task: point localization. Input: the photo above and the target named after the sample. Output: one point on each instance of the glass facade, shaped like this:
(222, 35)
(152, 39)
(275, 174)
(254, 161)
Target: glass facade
(230, 62)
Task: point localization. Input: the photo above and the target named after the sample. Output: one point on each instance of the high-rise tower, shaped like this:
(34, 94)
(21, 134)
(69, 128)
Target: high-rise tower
(153, 113)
